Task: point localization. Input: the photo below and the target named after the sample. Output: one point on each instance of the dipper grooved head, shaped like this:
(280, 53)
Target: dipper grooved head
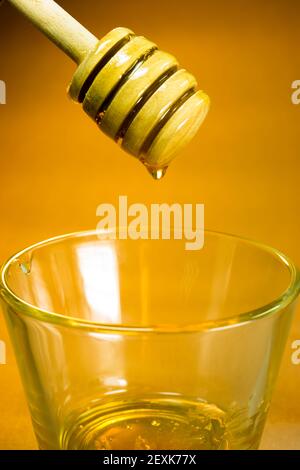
(139, 97)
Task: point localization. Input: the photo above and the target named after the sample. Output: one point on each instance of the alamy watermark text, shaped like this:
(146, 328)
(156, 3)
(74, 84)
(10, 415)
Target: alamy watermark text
(2, 92)
(295, 358)
(2, 353)
(296, 93)
(160, 221)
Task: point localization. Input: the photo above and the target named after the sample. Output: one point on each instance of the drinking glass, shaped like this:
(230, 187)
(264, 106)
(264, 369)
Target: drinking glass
(142, 344)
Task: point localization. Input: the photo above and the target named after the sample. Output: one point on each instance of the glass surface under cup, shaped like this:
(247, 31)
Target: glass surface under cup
(140, 344)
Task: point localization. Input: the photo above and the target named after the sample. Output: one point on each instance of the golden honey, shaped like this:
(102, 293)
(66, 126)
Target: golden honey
(160, 422)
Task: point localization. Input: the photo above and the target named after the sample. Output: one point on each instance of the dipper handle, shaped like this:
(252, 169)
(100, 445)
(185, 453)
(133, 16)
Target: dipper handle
(60, 27)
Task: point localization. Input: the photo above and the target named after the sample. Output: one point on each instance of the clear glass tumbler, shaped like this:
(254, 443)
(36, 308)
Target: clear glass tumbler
(141, 344)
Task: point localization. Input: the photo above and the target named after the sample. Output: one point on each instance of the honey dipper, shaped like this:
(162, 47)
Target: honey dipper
(136, 93)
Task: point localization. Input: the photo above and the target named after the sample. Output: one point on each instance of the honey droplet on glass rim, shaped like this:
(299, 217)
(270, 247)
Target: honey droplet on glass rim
(24, 265)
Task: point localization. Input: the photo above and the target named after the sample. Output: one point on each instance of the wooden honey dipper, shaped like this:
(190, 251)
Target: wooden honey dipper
(136, 93)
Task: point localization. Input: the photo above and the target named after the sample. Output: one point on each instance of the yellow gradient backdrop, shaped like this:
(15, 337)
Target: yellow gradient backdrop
(244, 164)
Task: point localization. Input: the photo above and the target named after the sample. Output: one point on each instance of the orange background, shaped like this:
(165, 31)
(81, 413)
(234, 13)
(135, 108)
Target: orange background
(244, 164)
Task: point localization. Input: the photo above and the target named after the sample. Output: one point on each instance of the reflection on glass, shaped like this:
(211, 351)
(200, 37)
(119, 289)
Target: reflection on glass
(99, 272)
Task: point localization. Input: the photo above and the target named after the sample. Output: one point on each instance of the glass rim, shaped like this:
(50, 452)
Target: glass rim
(46, 316)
